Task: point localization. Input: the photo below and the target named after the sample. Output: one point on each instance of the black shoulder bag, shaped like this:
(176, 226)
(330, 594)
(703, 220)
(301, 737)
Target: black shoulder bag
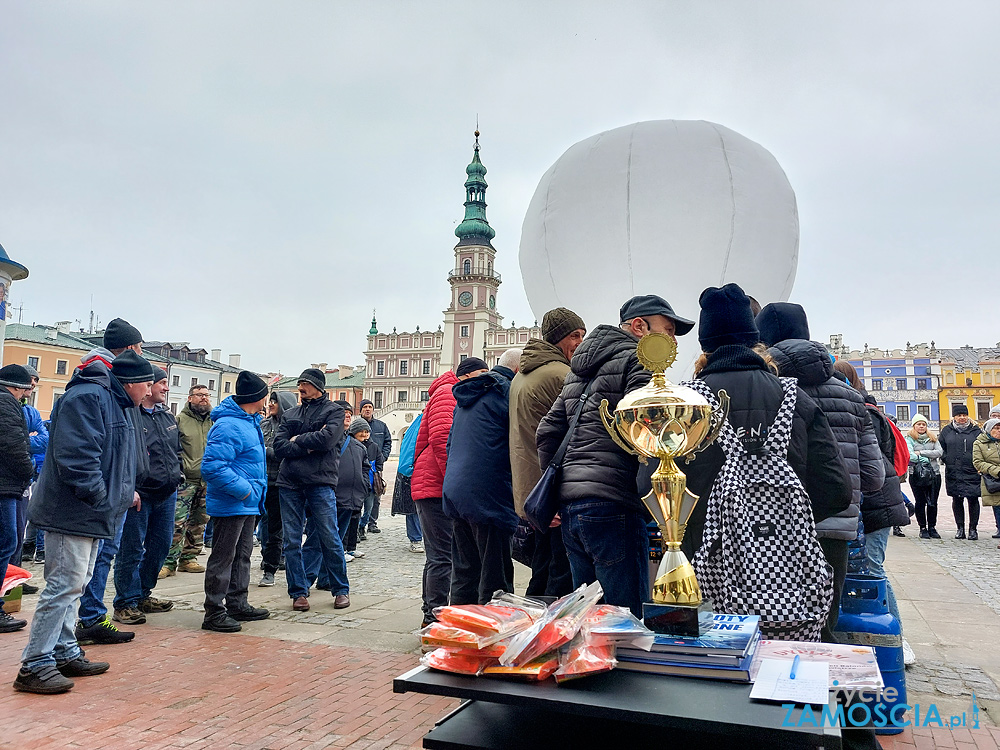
(542, 502)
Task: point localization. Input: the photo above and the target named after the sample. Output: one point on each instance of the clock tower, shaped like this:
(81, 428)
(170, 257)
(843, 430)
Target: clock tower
(473, 307)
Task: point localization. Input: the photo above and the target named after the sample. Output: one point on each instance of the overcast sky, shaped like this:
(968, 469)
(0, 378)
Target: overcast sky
(258, 176)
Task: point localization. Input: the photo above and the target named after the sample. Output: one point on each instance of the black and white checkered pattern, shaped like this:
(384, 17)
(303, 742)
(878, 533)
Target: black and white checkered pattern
(759, 552)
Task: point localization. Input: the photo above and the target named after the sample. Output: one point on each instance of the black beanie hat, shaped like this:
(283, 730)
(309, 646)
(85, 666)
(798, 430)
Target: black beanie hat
(159, 374)
(119, 334)
(780, 321)
(959, 409)
(365, 402)
(559, 323)
(725, 318)
(15, 376)
(314, 376)
(129, 367)
(346, 404)
(470, 364)
(249, 388)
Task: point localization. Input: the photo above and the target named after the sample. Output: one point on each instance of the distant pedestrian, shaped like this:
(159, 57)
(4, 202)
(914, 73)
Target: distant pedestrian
(235, 475)
(960, 476)
(38, 436)
(402, 493)
(381, 438)
(376, 463)
(280, 402)
(925, 450)
(986, 459)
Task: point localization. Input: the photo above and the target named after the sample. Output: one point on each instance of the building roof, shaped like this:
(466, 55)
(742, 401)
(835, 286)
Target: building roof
(968, 358)
(475, 226)
(43, 335)
(333, 381)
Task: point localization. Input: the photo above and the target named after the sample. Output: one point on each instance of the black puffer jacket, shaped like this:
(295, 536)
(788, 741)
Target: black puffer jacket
(314, 456)
(16, 467)
(810, 364)
(163, 446)
(960, 477)
(595, 467)
(884, 507)
(755, 395)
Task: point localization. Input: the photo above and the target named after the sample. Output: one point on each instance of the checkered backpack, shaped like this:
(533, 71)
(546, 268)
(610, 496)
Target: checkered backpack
(759, 552)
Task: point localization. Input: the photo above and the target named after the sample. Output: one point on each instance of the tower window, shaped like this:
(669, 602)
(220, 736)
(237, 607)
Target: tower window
(467, 266)
(464, 332)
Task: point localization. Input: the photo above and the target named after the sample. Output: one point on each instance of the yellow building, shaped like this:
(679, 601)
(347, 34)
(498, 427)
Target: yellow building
(51, 351)
(970, 377)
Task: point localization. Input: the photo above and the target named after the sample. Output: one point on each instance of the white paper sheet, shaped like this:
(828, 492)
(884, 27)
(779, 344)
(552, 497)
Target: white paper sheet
(811, 683)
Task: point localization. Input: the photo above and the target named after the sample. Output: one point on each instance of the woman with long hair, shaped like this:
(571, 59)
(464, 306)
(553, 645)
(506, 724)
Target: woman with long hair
(925, 450)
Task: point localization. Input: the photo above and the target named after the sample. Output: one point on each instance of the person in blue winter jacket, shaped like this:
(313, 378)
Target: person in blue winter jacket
(236, 478)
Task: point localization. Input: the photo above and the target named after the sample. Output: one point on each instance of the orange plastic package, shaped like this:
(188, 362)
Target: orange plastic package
(484, 619)
(581, 658)
(448, 636)
(562, 621)
(534, 671)
(448, 661)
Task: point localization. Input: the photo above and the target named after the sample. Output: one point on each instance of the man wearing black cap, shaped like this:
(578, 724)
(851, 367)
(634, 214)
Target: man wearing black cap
(16, 470)
(149, 528)
(87, 484)
(381, 438)
(603, 518)
(308, 444)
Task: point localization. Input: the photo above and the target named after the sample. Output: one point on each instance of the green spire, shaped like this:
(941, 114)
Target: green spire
(475, 226)
(374, 329)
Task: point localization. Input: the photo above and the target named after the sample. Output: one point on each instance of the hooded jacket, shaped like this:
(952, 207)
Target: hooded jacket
(162, 440)
(431, 454)
(88, 481)
(40, 440)
(538, 383)
(925, 449)
(595, 468)
(16, 467)
(194, 432)
(353, 485)
(960, 477)
(986, 460)
(233, 463)
(408, 448)
(810, 364)
(269, 428)
(477, 481)
(313, 457)
(380, 437)
(884, 507)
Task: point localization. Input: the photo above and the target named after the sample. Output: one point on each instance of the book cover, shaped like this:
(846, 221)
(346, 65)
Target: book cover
(851, 667)
(706, 658)
(730, 635)
(680, 667)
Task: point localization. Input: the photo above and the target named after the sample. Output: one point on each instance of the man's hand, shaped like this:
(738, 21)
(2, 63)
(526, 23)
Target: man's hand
(556, 522)
(136, 501)
(33, 434)
(292, 438)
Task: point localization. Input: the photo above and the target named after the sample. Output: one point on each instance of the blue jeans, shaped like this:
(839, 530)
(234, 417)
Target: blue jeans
(312, 548)
(92, 607)
(875, 546)
(607, 542)
(8, 533)
(69, 564)
(145, 543)
(321, 504)
(370, 513)
(413, 532)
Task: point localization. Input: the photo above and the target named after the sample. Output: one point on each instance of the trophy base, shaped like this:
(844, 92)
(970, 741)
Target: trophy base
(686, 620)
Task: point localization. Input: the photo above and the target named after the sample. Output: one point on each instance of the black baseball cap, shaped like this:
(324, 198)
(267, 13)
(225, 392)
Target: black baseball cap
(651, 304)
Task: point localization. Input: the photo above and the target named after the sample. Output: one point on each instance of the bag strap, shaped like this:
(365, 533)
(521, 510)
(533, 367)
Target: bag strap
(560, 454)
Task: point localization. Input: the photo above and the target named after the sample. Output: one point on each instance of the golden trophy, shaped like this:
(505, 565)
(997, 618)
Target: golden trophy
(666, 421)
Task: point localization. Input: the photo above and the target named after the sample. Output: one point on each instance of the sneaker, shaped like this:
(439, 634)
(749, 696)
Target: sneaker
(934, 533)
(154, 606)
(997, 535)
(129, 616)
(166, 572)
(45, 681)
(82, 667)
(27, 588)
(373, 529)
(39, 555)
(9, 623)
(910, 509)
(896, 531)
(356, 553)
(267, 579)
(249, 614)
(908, 656)
(362, 536)
(27, 552)
(417, 547)
(103, 632)
(348, 557)
(222, 624)
(925, 534)
(190, 566)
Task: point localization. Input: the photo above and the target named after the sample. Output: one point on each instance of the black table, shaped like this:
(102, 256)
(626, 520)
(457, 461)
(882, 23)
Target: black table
(608, 709)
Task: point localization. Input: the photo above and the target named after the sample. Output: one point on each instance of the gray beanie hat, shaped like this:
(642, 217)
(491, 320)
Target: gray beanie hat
(357, 425)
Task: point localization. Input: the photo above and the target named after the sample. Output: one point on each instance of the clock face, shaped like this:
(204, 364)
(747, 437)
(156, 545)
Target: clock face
(493, 302)
(465, 299)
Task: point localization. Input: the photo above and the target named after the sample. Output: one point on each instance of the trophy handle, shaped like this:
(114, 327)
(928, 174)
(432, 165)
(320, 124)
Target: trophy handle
(609, 425)
(716, 422)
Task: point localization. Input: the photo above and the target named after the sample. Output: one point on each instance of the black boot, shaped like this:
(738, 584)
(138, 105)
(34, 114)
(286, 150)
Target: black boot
(924, 533)
(896, 531)
(973, 534)
(961, 533)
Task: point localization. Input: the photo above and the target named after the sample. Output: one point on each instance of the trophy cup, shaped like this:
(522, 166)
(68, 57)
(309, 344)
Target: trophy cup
(666, 421)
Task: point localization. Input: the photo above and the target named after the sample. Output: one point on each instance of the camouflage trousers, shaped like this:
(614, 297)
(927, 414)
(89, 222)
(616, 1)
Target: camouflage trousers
(189, 524)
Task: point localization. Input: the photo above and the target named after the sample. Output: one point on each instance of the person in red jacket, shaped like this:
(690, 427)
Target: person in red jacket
(431, 456)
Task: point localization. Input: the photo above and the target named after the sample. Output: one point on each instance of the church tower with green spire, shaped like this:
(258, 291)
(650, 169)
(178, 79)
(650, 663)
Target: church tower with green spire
(473, 307)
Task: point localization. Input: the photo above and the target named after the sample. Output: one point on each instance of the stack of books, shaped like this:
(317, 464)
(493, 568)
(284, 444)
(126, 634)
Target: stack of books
(723, 653)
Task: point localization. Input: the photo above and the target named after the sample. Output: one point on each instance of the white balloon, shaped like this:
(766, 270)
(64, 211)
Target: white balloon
(665, 207)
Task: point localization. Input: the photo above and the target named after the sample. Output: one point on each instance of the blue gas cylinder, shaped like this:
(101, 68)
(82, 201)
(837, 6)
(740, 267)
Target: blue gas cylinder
(865, 620)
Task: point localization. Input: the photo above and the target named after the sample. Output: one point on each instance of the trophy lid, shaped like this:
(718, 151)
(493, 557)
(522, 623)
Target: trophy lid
(656, 353)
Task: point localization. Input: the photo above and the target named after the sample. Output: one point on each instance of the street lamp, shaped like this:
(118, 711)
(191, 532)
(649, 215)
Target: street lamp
(9, 272)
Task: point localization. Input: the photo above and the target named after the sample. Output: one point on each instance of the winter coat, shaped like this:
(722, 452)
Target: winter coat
(755, 395)
(537, 385)
(374, 453)
(925, 449)
(380, 437)
(986, 459)
(88, 481)
(884, 507)
(960, 477)
(314, 456)
(40, 440)
(408, 448)
(233, 466)
(269, 428)
(163, 443)
(352, 484)
(477, 478)
(432, 439)
(810, 364)
(16, 467)
(194, 432)
(595, 468)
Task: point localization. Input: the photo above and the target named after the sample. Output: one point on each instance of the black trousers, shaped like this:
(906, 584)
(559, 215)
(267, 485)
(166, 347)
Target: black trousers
(271, 552)
(437, 528)
(480, 562)
(925, 499)
(958, 508)
(835, 552)
(227, 575)
(550, 572)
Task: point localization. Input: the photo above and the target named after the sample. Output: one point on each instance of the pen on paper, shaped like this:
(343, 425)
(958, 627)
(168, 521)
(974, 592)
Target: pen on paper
(795, 666)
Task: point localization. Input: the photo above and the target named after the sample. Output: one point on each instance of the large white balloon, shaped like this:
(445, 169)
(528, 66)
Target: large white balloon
(666, 207)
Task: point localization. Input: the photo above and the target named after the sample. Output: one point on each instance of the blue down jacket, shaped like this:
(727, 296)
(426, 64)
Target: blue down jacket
(477, 481)
(88, 478)
(233, 464)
